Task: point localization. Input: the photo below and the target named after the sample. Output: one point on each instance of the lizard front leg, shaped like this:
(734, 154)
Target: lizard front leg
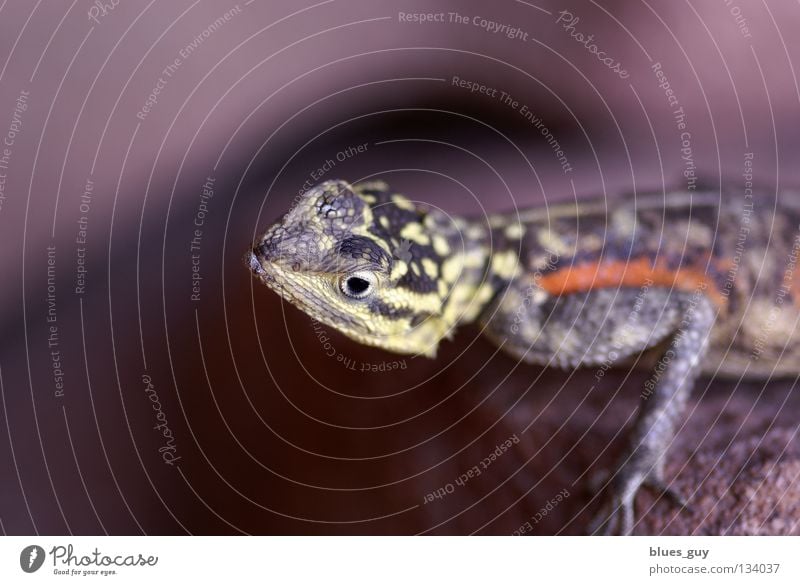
(665, 398)
(606, 326)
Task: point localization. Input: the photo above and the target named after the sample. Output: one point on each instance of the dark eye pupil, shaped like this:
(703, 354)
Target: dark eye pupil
(356, 285)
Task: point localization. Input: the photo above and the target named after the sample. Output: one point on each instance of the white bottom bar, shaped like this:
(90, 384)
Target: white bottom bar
(401, 560)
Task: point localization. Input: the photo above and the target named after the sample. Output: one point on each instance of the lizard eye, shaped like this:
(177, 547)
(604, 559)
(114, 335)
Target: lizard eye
(358, 285)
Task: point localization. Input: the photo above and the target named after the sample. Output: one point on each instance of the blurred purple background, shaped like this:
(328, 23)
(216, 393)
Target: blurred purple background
(131, 131)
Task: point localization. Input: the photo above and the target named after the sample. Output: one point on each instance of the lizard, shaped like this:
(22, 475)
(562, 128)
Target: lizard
(697, 284)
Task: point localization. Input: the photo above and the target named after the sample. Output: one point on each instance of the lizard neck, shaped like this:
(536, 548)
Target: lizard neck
(464, 283)
(475, 263)
(468, 274)
(492, 259)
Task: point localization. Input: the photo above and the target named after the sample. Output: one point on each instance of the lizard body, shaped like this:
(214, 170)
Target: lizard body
(703, 286)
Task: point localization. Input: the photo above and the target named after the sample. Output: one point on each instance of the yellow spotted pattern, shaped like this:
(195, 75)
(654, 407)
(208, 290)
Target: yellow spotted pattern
(413, 232)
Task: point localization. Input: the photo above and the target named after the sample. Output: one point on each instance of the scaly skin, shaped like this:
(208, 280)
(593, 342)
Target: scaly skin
(697, 286)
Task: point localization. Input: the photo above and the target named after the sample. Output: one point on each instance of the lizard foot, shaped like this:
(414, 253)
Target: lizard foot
(617, 512)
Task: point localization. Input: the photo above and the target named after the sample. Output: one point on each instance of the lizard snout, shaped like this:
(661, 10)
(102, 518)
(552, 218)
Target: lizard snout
(251, 259)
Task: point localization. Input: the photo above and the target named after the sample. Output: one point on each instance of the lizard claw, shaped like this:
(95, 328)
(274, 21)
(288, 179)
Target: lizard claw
(616, 516)
(662, 489)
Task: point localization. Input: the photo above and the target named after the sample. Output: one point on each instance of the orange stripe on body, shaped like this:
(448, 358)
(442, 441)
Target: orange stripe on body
(794, 286)
(634, 273)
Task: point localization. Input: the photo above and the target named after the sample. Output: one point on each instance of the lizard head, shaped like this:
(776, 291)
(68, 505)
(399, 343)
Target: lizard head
(362, 261)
